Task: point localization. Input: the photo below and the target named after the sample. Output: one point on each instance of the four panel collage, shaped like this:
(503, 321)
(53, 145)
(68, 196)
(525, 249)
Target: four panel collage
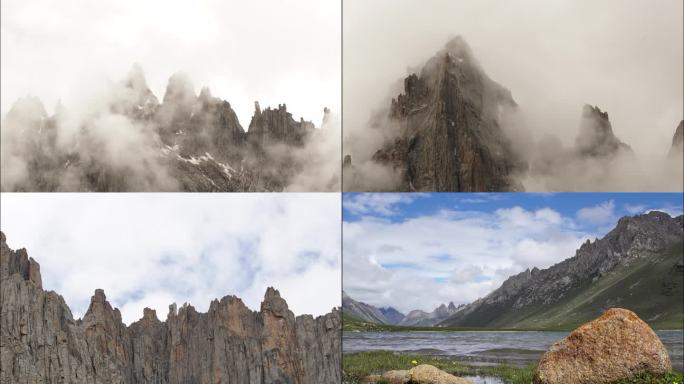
(342, 191)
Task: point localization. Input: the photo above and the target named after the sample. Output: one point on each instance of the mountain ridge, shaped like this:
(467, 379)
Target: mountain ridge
(41, 341)
(637, 244)
(188, 142)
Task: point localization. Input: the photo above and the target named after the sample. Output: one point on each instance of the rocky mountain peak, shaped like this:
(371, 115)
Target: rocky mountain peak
(276, 125)
(205, 95)
(458, 47)
(275, 304)
(179, 90)
(136, 78)
(149, 315)
(450, 138)
(18, 262)
(27, 114)
(596, 137)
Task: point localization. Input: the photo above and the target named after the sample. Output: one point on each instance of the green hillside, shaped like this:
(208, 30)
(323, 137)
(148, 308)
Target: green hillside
(650, 286)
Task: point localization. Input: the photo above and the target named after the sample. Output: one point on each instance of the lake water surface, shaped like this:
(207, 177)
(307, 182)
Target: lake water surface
(482, 347)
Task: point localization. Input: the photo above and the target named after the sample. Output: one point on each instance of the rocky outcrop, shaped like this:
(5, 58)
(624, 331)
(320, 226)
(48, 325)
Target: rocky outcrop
(678, 141)
(531, 294)
(41, 342)
(450, 138)
(424, 373)
(616, 346)
(392, 316)
(596, 137)
(275, 126)
(429, 374)
(188, 142)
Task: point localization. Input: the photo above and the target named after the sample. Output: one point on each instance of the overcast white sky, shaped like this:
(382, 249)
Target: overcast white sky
(151, 250)
(273, 51)
(554, 55)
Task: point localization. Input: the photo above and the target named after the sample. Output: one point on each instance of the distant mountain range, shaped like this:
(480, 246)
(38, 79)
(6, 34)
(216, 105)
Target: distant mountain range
(391, 316)
(639, 265)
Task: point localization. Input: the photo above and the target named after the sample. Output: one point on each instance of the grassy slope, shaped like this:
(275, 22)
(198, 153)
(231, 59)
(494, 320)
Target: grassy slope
(638, 287)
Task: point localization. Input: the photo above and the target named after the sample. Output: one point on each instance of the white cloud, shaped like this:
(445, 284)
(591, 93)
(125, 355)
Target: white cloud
(598, 214)
(274, 51)
(154, 249)
(635, 209)
(458, 256)
(377, 203)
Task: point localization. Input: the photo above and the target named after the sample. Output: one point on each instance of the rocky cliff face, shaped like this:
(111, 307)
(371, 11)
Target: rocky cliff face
(535, 292)
(188, 142)
(450, 138)
(596, 137)
(42, 343)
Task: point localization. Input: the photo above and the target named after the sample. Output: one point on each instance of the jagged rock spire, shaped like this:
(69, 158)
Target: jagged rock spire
(596, 137)
(179, 89)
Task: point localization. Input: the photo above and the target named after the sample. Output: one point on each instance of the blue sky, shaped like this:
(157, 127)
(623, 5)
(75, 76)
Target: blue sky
(416, 251)
(412, 205)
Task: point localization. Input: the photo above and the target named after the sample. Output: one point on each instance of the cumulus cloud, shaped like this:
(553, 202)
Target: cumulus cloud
(598, 214)
(155, 249)
(451, 255)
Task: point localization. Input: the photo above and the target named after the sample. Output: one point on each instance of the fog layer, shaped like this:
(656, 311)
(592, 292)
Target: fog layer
(624, 57)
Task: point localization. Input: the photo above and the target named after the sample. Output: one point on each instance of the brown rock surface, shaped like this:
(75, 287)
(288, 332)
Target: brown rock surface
(617, 345)
(429, 374)
(41, 342)
(396, 377)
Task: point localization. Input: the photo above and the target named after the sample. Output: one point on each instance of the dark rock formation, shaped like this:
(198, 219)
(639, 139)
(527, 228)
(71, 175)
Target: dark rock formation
(42, 343)
(275, 126)
(596, 137)
(392, 316)
(188, 142)
(450, 136)
(616, 346)
(533, 294)
(678, 140)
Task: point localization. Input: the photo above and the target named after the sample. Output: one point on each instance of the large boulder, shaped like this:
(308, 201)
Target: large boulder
(429, 374)
(617, 345)
(396, 377)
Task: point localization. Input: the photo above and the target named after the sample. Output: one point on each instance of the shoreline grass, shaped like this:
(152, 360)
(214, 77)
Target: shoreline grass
(358, 365)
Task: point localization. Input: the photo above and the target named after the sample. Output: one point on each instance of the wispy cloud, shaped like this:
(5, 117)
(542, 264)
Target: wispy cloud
(156, 249)
(383, 204)
(598, 214)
